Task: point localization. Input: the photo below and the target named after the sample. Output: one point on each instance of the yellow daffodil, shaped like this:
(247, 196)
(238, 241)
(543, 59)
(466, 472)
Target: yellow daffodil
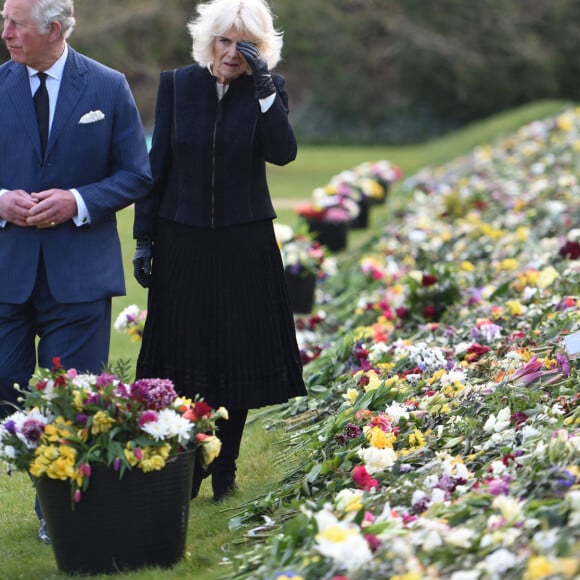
(351, 395)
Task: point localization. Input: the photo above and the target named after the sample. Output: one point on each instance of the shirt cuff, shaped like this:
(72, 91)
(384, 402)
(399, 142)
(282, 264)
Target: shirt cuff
(2, 192)
(82, 218)
(266, 103)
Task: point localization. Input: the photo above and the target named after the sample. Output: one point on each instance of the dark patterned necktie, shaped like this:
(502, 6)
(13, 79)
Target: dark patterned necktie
(42, 110)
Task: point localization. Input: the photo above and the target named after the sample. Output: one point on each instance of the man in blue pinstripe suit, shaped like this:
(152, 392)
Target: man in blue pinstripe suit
(60, 253)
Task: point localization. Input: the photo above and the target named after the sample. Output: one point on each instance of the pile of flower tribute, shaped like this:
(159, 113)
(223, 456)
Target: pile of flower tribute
(441, 437)
(340, 199)
(301, 254)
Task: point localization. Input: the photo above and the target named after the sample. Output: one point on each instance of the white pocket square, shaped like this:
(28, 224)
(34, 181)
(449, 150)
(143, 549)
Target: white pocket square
(91, 117)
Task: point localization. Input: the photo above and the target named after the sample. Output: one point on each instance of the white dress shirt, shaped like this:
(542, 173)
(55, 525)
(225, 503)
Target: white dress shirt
(53, 79)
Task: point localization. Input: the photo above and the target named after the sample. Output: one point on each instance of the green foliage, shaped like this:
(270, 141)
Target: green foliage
(392, 71)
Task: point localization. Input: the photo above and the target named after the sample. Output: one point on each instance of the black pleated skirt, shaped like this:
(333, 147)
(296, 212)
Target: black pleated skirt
(219, 321)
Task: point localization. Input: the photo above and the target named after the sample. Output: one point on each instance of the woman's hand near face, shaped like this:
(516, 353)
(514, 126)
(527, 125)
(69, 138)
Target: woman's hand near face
(262, 78)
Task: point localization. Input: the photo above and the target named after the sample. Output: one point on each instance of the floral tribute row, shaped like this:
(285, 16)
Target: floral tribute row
(441, 437)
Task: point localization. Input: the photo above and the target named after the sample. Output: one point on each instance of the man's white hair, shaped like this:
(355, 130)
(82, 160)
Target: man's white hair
(46, 11)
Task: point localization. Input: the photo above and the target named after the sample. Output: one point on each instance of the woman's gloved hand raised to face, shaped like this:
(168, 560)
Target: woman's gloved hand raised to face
(262, 77)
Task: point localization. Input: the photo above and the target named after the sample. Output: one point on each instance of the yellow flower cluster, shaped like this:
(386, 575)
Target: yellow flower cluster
(540, 567)
(55, 457)
(417, 440)
(102, 423)
(55, 461)
(134, 333)
(148, 458)
(379, 439)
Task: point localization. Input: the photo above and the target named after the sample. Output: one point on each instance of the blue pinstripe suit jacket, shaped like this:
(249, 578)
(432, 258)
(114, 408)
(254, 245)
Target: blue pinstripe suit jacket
(106, 161)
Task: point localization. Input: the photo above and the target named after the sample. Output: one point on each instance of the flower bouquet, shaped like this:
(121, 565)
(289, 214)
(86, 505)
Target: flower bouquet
(131, 321)
(72, 422)
(301, 254)
(347, 185)
(328, 217)
(376, 177)
(85, 439)
(303, 259)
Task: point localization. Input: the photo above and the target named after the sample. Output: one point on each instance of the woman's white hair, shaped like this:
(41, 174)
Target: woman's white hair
(46, 11)
(252, 19)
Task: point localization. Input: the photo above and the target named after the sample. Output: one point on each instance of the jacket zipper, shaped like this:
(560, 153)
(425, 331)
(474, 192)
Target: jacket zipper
(212, 217)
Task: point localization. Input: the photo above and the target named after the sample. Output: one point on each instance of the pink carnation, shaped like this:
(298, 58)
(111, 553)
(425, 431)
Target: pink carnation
(362, 478)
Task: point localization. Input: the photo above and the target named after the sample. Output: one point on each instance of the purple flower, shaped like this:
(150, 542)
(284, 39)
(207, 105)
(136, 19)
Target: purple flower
(122, 391)
(353, 431)
(82, 418)
(475, 296)
(105, 379)
(563, 364)
(530, 372)
(421, 505)
(93, 399)
(518, 418)
(567, 479)
(498, 487)
(155, 394)
(33, 429)
(446, 483)
(10, 426)
(450, 331)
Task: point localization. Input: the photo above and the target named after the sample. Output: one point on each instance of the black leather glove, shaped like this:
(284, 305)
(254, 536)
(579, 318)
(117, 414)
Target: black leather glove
(142, 261)
(262, 77)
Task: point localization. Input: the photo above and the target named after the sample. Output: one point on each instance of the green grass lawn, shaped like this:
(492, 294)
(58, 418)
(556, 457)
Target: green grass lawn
(209, 539)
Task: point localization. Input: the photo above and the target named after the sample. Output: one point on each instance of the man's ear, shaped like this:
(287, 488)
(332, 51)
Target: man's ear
(54, 31)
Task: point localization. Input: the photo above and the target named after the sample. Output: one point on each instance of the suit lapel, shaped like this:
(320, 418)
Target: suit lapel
(18, 87)
(72, 87)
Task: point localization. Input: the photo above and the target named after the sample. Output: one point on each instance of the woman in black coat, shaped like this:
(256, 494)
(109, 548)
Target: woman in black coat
(219, 320)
